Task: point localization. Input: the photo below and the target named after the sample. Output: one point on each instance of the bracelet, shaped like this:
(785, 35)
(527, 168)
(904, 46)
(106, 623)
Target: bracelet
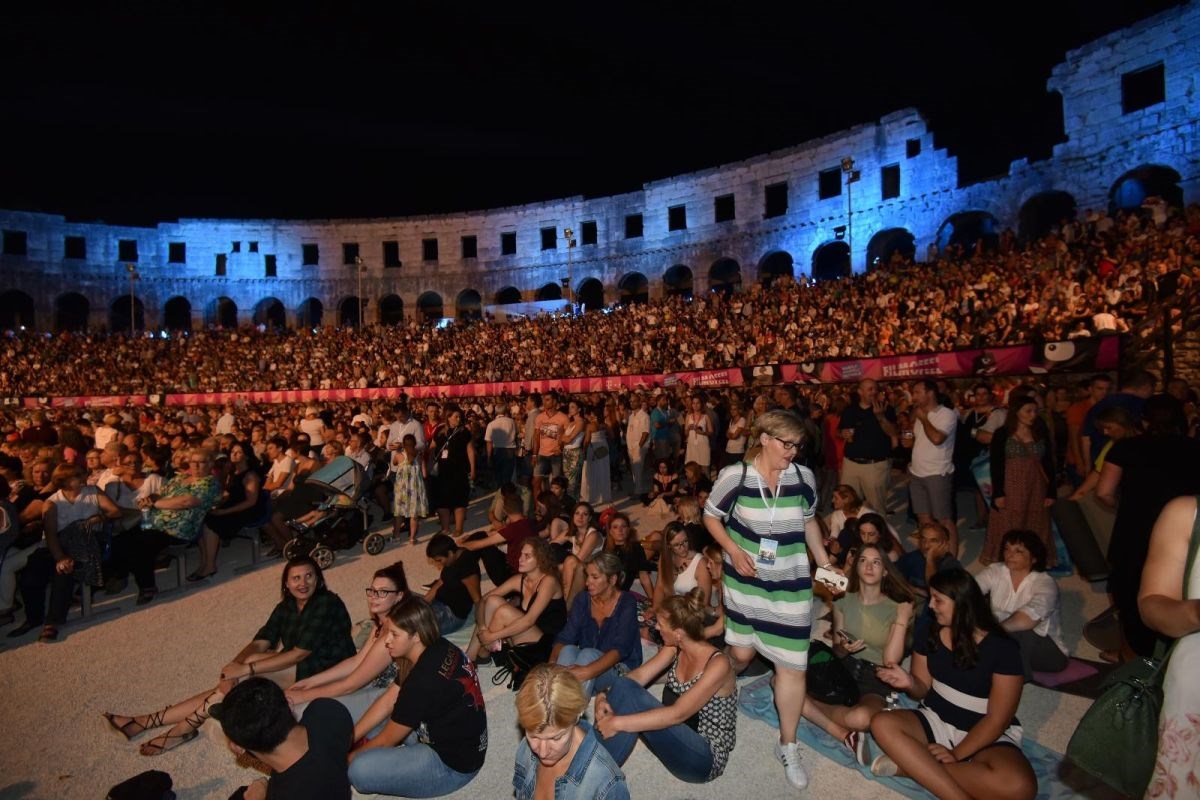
(826, 565)
(251, 665)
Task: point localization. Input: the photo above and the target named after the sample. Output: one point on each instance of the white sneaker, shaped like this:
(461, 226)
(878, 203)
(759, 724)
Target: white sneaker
(884, 767)
(789, 755)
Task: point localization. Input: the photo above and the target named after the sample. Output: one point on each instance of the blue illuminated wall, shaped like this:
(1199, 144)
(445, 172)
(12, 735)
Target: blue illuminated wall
(1097, 166)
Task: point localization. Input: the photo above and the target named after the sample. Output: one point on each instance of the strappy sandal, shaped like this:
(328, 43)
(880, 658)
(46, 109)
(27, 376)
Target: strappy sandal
(133, 727)
(166, 742)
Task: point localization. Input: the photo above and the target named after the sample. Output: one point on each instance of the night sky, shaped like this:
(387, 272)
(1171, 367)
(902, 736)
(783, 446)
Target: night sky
(185, 110)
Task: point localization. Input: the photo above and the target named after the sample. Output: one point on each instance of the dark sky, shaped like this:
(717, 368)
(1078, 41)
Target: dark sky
(184, 110)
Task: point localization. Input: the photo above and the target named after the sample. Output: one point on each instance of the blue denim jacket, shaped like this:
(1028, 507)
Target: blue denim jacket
(592, 774)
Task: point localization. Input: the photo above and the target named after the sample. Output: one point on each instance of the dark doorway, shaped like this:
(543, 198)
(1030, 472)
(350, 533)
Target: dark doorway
(831, 261)
(1042, 212)
(678, 281)
(270, 312)
(118, 315)
(889, 243)
(469, 305)
(391, 310)
(724, 276)
(1148, 180)
(634, 289)
(591, 295)
(177, 314)
(551, 291)
(350, 313)
(16, 310)
(508, 295)
(71, 312)
(429, 306)
(311, 313)
(969, 230)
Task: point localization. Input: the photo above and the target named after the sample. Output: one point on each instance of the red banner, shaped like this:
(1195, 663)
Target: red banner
(1080, 355)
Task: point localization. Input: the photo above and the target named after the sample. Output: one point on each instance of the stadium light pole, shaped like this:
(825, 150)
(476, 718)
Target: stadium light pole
(133, 276)
(569, 235)
(852, 176)
(359, 268)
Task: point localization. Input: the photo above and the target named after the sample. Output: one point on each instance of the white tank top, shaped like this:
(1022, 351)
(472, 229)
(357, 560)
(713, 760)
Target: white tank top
(686, 580)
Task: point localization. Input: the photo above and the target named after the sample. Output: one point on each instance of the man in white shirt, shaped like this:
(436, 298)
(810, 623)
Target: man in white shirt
(637, 441)
(283, 467)
(931, 472)
(500, 437)
(404, 425)
(226, 422)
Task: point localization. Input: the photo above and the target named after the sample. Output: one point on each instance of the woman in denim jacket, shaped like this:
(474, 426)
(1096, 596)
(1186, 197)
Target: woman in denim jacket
(559, 748)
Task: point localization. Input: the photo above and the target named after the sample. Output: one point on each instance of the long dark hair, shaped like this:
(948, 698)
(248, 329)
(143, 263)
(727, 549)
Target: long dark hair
(395, 574)
(887, 541)
(893, 585)
(972, 612)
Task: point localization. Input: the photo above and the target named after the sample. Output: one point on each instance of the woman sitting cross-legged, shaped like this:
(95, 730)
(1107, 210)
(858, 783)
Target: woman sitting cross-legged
(308, 631)
(357, 681)
(870, 628)
(560, 756)
(964, 739)
(427, 737)
(693, 731)
(600, 640)
(542, 611)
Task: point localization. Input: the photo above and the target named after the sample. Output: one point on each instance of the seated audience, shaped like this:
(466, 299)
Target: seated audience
(456, 591)
(600, 640)
(541, 610)
(622, 542)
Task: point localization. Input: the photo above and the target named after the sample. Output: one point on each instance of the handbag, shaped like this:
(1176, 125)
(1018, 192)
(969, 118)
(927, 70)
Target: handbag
(516, 660)
(1116, 739)
(828, 678)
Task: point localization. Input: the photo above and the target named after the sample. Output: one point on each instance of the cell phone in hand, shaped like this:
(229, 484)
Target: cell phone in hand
(845, 637)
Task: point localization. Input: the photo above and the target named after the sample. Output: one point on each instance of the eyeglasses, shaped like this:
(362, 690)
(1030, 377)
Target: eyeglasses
(787, 445)
(683, 543)
(380, 593)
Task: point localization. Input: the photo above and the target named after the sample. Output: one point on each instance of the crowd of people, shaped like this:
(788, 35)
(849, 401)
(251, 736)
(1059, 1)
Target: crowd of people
(775, 504)
(1094, 276)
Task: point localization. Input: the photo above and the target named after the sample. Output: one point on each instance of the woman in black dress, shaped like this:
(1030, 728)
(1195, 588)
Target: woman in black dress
(453, 470)
(242, 503)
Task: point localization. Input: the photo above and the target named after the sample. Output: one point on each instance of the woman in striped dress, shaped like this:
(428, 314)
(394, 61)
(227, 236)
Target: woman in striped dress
(761, 512)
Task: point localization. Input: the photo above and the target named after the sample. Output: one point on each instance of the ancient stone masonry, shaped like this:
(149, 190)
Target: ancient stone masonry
(1131, 117)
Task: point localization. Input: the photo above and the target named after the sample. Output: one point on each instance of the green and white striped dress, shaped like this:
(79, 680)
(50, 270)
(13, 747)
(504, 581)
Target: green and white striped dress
(770, 611)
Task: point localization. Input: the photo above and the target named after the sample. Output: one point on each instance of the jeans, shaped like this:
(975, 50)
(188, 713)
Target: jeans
(573, 655)
(447, 622)
(503, 462)
(410, 770)
(681, 750)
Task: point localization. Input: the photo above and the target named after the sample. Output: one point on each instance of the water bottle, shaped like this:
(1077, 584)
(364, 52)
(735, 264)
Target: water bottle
(892, 698)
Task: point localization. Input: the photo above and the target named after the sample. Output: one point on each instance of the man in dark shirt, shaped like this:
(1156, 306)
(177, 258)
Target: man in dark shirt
(1136, 388)
(307, 759)
(934, 556)
(867, 428)
(456, 591)
(516, 530)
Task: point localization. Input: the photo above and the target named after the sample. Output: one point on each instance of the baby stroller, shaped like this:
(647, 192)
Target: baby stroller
(340, 519)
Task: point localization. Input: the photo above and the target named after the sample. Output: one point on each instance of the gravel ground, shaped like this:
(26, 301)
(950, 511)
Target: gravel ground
(139, 659)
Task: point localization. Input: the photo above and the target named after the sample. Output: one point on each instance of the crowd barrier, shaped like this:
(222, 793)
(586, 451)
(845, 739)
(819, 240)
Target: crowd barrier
(1079, 355)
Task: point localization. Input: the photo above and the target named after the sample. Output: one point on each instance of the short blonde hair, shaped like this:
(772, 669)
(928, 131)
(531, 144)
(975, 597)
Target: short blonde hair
(551, 697)
(780, 423)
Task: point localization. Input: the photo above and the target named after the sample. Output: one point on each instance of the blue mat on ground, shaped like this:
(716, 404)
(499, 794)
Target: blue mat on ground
(757, 701)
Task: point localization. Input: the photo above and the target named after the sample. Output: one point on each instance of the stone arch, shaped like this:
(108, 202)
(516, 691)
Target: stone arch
(1042, 212)
(551, 291)
(590, 295)
(1146, 180)
(967, 229)
(118, 314)
(725, 276)
(391, 310)
(468, 305)
(222, 312)
(508, 295)
(775, 265)
(429, 306)
(270, 312)
(350, 312)
(311, 313)
(71, 312)
(678, 281)
(831, 261)
(177, 314)
(633, 288)
(890, 242)
(16, 310)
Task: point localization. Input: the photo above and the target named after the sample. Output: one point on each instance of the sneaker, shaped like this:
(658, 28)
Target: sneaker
(863, 748)
(884, 767)
(789, 755)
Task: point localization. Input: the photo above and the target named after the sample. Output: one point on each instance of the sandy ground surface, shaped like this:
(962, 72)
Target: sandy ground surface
(135, 660)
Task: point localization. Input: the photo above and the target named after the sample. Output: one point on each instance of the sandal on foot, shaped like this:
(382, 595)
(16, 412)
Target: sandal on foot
(161, 744)
(133, 727)
(199, 576)
(49, 634)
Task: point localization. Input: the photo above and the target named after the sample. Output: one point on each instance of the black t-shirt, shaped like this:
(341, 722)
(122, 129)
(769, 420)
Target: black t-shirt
(320, 773)
(442, 701)
(870, 442)
(633, 561)
(452, 593)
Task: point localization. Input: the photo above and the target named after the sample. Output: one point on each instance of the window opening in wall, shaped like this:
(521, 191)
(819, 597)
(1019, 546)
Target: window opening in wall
(269, 267)
(177, 253)
(889, 181)
(349, 252)
(1143, 88)
(633, 226)
(549, 238)
(391, 255)
(723, 208)
(775, 200)
(912, 148)
(587, 233)
(15, 243)
(311, 255)
(127, 250)
(677, 218)
(254, 247)
(470, 247)
(508, 243)
(829, 183)
(75, 247)
(221, 262)
(429, 249)
(237, 247)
